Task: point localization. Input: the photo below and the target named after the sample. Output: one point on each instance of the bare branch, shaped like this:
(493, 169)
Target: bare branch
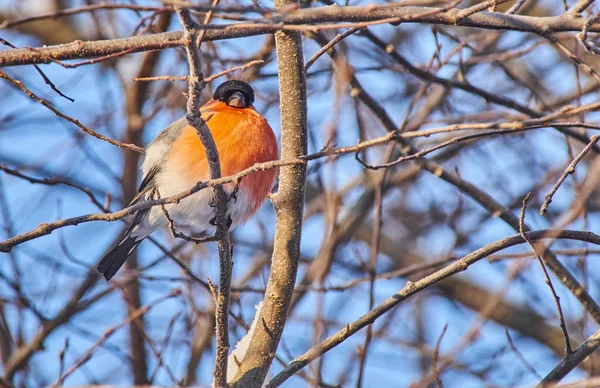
(207, 79)
(572, 360)
(561, 316)
(85, 129)
(568, 171)
(307, 19)
(412, 288)
(289, 204)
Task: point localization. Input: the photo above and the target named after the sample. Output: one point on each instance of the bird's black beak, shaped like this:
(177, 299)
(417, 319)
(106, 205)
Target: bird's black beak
(237, 100)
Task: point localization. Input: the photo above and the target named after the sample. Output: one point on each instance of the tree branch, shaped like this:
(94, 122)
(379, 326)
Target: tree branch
(288, 203)
(412, 288)
(307, 19)
(571, 360)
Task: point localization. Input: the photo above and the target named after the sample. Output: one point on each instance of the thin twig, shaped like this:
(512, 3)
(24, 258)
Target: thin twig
(568, 171)
(435, 357)
(520, 356)
(328, 46)
(85, 129)
(47, 228)
(55, 182)
(207, 18)
(516, 7)
(561, 317)
(572, 56)
(84, 63)
(37, 68)
(581, 6)
(477, 8)
(372, 265)
(207, 79)
(108, 333)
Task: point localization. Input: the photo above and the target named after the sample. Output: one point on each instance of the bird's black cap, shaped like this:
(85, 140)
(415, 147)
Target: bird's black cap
(227, 88)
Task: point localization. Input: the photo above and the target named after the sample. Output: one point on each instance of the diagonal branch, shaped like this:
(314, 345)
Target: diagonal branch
(85, 129)
(572, 360)
(412, 288)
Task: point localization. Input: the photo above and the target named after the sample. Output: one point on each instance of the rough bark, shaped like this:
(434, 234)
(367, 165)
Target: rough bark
(288, 204)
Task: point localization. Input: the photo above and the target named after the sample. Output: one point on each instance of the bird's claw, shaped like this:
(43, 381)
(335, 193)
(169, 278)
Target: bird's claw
(234, 192)
(213, 221)
(233, 196)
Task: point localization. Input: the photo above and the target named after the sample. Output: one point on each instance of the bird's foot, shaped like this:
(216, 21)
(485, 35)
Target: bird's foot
(233, 195)
(213, 221)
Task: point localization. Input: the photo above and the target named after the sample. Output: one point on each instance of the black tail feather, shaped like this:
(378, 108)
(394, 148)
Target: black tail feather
(113, 260)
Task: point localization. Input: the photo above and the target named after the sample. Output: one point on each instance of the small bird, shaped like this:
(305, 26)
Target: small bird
(175, 161)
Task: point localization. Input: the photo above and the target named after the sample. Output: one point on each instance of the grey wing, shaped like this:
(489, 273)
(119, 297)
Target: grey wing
(155, 155)
(148, 184)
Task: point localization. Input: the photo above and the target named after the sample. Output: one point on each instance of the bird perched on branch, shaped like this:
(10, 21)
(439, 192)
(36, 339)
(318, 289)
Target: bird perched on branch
(175, 161)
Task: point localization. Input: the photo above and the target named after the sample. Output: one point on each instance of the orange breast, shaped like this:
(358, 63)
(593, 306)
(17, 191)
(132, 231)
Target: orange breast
(243, 138)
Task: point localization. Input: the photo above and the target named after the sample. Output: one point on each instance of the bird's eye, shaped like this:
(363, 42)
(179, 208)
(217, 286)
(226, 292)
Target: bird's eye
(237, 100)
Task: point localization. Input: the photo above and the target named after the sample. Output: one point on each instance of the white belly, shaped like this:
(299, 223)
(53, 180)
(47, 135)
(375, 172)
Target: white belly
(194, 211)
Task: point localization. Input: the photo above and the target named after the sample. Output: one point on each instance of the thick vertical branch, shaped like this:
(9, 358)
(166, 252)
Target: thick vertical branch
(288, 205)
